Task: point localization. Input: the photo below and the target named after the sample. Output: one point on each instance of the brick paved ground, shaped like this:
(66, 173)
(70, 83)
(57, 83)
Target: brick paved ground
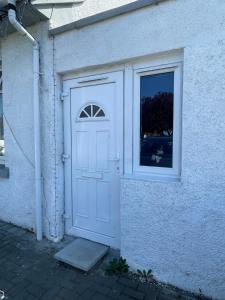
(28, 271)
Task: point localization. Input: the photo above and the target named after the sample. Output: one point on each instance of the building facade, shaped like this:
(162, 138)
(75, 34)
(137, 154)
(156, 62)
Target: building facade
(132, 133)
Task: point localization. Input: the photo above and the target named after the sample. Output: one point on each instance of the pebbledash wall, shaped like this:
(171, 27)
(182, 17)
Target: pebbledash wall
(17, 192)
(174, 228)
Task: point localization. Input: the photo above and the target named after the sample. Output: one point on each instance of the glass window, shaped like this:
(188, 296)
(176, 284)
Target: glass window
(156, 120)
(2, 149)
(88, 110)
(100, 113)
(83, 114)
(95, 109)
(92, 111)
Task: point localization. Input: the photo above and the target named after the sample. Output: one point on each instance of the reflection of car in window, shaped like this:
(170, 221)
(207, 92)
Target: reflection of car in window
(157, 151)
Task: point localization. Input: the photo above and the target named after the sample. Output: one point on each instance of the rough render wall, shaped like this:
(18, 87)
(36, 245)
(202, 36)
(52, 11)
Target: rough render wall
(91, 7)
(17, 200)
(177, 228)
(182, 223)
(16, 197)
(60, 15)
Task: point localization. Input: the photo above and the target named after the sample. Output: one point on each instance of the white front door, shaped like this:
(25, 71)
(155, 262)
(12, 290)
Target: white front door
(96, 105)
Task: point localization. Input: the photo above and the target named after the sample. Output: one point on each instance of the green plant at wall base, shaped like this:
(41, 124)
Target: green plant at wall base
(145, 276)
(118, 266)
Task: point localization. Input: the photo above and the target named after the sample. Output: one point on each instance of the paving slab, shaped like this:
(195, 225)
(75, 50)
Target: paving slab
(82, 254)
(29, 271)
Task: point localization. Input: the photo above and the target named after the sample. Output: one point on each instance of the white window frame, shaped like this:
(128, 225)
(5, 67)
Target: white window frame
(148, 171)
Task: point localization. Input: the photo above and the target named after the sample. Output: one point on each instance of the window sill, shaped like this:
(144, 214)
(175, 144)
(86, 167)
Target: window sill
(152, 178)
(4, 171)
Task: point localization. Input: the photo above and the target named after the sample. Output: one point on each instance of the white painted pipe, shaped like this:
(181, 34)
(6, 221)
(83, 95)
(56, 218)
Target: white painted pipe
(36, 108)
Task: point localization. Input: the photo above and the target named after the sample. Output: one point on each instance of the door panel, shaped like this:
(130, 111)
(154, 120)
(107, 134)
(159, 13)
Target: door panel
(102, 201)
(82, 145)
(102, 150)
(82, 198)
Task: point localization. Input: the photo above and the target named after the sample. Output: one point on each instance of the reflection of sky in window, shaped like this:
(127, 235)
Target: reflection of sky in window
(151, 85)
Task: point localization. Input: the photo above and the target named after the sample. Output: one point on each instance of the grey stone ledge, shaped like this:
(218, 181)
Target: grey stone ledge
(124, 9)
(4, 172)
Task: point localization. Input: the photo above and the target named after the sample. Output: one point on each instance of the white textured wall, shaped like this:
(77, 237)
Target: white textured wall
(176, 229)
(61, 15)
(17, 200)
(16, 197)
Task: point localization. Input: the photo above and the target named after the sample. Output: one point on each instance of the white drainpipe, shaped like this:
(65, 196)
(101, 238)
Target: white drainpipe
(36, 73)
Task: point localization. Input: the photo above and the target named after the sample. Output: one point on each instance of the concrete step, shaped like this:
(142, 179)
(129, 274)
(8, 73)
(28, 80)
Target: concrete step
(82, 254)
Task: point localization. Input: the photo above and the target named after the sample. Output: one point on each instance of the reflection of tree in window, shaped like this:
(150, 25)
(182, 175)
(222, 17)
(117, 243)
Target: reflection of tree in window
(157, 121)
(157, 115)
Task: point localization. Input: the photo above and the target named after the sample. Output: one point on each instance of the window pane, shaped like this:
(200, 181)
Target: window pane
(95, 109)
(1, 128)
(88, 110)
(83, 115)
(100, 114)
(156, 136)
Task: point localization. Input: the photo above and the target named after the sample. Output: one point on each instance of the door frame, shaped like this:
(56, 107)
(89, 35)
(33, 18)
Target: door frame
(91, 80)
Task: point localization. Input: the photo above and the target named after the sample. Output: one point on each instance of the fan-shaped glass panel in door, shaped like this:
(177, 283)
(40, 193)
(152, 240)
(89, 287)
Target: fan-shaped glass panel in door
(92, 111)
